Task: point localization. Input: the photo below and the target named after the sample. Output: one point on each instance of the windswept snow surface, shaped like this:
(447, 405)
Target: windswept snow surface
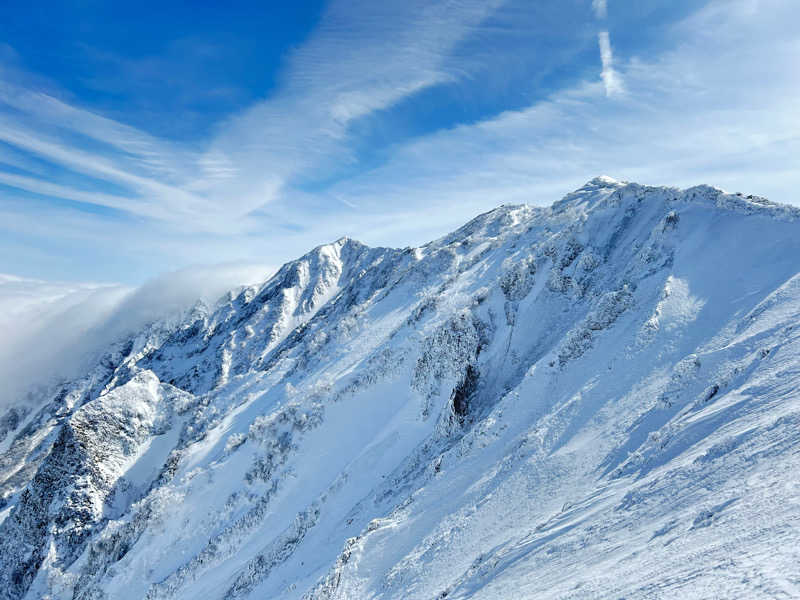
(598, 399)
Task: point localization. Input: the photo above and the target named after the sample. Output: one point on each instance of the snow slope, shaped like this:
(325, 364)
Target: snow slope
(597, 399)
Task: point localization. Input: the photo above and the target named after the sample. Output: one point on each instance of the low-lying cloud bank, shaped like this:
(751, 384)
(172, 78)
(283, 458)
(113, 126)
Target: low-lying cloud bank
(51, 330)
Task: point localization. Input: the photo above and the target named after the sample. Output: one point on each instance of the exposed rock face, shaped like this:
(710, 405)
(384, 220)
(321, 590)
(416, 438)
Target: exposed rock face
(595, 399)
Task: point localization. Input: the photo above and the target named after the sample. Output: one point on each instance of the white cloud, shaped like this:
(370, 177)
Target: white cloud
(611, 79)
(44, 110)
(42, 324)
(364, 57)
(54, 330)
(600, 8)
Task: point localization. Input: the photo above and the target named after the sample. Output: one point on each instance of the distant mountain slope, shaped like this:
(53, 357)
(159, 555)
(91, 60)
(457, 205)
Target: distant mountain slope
(594, 399)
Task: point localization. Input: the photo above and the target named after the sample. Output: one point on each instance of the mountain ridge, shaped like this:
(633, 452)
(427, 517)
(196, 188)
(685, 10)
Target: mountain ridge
(374, 421)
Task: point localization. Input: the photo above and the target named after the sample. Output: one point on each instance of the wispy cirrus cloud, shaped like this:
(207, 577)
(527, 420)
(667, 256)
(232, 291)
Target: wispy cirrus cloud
(600, 8)
(364, 58)
(329, 82)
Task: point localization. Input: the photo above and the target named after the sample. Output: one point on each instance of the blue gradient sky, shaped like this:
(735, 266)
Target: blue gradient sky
(138, 139)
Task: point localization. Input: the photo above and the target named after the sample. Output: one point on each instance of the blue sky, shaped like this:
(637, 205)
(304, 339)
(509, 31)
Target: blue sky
(139, 139)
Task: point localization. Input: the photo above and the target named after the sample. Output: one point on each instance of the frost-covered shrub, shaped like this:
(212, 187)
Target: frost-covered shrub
(234, 441)
(518, 279)
(446, 353)
(452, 345)
(610, 306)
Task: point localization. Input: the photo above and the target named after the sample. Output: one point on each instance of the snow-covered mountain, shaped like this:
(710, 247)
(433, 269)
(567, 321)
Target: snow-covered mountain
(598, 399)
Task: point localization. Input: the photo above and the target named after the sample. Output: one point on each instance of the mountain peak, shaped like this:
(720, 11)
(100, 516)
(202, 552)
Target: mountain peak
(602, 181)
(338, 246)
